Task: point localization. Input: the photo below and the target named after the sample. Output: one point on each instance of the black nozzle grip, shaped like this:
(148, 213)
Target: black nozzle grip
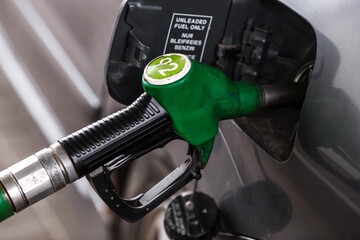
(141, 125)
(135, 208)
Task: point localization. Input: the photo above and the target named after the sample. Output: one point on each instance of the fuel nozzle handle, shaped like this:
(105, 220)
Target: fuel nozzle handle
(140, 126)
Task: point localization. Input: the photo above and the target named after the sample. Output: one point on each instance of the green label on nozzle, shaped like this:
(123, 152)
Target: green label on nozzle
(167, 69)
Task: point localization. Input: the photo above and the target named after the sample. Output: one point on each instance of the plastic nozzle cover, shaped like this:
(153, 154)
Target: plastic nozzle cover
(197, 97)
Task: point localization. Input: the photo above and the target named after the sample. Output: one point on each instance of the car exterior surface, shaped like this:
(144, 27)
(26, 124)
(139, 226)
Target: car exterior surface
(315, 193)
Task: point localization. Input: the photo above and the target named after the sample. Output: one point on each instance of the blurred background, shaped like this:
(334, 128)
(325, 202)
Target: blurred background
(52, 56)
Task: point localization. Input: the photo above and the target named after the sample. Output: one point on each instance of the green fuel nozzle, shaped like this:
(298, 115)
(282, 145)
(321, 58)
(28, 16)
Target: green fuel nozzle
(183, 98)
(197, 97)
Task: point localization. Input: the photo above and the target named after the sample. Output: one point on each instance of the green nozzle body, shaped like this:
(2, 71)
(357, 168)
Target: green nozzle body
(197, 97)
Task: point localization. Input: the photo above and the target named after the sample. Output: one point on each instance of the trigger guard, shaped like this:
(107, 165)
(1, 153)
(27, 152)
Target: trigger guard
(135, 208)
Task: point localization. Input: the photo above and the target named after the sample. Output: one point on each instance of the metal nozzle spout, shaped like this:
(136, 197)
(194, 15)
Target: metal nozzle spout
(284, 94)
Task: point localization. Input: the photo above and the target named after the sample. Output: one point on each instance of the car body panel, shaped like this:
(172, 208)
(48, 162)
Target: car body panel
(315, 193)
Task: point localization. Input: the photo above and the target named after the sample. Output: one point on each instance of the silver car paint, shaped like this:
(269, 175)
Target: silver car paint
(315, 194)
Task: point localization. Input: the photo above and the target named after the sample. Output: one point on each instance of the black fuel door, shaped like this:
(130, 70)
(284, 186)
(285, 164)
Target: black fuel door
(146, 29)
